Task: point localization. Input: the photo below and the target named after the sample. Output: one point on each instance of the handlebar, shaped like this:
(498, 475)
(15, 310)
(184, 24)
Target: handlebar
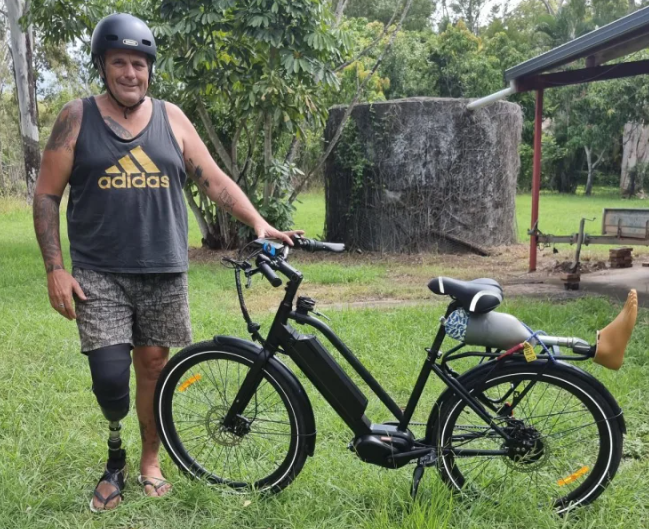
(264, 267)
(311, 245)
(273, 254)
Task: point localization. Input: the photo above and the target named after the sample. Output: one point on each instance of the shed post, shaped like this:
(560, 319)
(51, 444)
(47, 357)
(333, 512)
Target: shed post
(536, 175)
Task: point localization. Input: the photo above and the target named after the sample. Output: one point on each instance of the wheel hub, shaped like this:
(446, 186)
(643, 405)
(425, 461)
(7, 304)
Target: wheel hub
(225, 436)
(526, 451)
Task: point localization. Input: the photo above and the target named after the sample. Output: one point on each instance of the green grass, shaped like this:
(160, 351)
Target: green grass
(310, 213)
(52, 435)
(561, 214)
(558, 214)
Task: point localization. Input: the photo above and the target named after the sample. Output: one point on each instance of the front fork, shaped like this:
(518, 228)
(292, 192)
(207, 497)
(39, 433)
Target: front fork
(247, 389)
(275, 336)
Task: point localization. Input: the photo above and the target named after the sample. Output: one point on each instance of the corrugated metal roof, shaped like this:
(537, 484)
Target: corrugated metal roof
(615, 34)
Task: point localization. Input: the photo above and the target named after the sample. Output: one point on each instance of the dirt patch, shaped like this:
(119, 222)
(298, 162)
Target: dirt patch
(404, 281)
(585, 267)
(507, 259)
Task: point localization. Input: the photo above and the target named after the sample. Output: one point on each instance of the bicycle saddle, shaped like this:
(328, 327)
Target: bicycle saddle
(478, 296)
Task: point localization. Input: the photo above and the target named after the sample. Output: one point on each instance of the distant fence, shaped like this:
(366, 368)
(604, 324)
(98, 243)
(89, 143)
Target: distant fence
(12, 180)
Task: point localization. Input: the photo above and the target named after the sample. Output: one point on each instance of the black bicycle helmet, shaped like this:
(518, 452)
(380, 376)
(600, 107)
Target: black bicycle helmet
(122, 31)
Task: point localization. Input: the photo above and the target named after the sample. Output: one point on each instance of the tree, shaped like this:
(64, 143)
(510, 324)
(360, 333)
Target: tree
(476, 74)
(253, 73)
(469, 11)
(408, 65)
(22, 46)
(419, 15)
(4, 56)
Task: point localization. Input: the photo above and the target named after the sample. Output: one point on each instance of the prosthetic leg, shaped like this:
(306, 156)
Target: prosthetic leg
(110, 370)
(116, 454)
(613, 339)
(115, 472)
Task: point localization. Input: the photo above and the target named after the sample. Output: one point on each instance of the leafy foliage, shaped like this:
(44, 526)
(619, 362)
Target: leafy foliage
(418, 18)
(270, 69)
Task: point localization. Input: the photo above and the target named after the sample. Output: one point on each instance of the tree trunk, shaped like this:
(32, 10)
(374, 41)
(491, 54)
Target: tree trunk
(268, 156)
(3, 61)
(340, 9)
(589, 161)
(2, 173)
(207, 232)
(635, 157)
(591, 168)
(22, 47)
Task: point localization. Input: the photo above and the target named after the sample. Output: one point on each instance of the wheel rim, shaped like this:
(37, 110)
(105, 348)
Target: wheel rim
(564, 460)
(257, 452)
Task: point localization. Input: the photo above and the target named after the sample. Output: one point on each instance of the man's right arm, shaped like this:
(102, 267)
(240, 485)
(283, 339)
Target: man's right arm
(56, 167)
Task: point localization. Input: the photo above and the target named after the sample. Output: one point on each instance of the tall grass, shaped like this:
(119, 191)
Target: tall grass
(52, 435)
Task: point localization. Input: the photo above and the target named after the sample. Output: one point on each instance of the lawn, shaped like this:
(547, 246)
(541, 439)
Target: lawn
(52, 435)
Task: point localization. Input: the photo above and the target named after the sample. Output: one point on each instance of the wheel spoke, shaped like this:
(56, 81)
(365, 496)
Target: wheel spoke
(554, 447)
(261, 439)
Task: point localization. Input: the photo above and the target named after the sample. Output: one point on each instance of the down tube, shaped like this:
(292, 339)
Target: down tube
(329, 379)
(353, 361)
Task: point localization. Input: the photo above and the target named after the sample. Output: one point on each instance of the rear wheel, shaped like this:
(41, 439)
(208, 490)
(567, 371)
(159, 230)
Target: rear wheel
(264, 450)
(566, 440)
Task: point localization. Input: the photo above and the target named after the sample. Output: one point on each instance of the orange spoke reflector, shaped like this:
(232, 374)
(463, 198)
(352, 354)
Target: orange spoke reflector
(573, 477)
(189, 382)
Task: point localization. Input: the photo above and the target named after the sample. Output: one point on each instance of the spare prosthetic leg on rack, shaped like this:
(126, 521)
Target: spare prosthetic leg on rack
(613, 339)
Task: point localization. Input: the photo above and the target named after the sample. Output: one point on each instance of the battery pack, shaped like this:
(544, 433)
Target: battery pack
(331, 381)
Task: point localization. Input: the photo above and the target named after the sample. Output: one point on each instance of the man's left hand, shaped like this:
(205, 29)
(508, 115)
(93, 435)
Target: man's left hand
(266, 231)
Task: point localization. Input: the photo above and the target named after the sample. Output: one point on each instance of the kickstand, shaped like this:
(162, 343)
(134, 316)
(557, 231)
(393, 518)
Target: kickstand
(426, 461)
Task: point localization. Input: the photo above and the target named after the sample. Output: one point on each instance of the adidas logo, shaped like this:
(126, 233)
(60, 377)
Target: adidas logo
(135, 170)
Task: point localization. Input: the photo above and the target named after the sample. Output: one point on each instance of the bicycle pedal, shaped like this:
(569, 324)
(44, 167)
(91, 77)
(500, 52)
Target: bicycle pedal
(428, 460)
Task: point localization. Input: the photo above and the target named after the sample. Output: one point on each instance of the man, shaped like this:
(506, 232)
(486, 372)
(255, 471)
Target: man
(124, 156)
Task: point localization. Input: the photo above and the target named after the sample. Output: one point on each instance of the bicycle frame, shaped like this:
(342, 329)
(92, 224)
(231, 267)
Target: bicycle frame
(329, 378)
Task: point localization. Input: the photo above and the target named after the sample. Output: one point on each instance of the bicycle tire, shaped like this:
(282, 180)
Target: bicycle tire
(195, 388)
(540, 475)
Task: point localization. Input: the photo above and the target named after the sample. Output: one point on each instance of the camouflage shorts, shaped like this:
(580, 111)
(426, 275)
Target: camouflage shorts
(138, 309)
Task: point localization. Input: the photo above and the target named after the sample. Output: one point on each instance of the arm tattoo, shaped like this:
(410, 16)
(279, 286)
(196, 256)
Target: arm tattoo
(46, 225)
(64, 128)
(196, 173)
(226, 200)
(117, 128)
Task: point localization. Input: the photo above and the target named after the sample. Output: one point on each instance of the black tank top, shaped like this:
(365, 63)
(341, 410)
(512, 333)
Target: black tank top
(126, 211)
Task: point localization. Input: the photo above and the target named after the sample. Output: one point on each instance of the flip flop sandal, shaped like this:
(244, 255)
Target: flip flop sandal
(117, 478)
(146, 481)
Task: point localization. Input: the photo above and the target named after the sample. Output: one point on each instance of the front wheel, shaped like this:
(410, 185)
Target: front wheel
(266, 447)
(566, 441)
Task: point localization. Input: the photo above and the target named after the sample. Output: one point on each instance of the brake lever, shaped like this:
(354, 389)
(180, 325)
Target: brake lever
(321, 315)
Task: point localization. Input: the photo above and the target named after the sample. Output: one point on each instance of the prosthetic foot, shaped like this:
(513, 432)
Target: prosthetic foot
(612, 339)
(115, 473)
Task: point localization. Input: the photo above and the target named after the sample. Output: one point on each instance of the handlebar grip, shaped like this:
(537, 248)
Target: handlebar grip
(269, 274)
(311, 245)
(286, 269)
(333, 247)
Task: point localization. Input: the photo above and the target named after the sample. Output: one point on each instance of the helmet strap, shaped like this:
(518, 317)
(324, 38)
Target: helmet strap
(125, 108)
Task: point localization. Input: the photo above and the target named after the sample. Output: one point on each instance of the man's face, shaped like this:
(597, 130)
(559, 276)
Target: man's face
(127, 75)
